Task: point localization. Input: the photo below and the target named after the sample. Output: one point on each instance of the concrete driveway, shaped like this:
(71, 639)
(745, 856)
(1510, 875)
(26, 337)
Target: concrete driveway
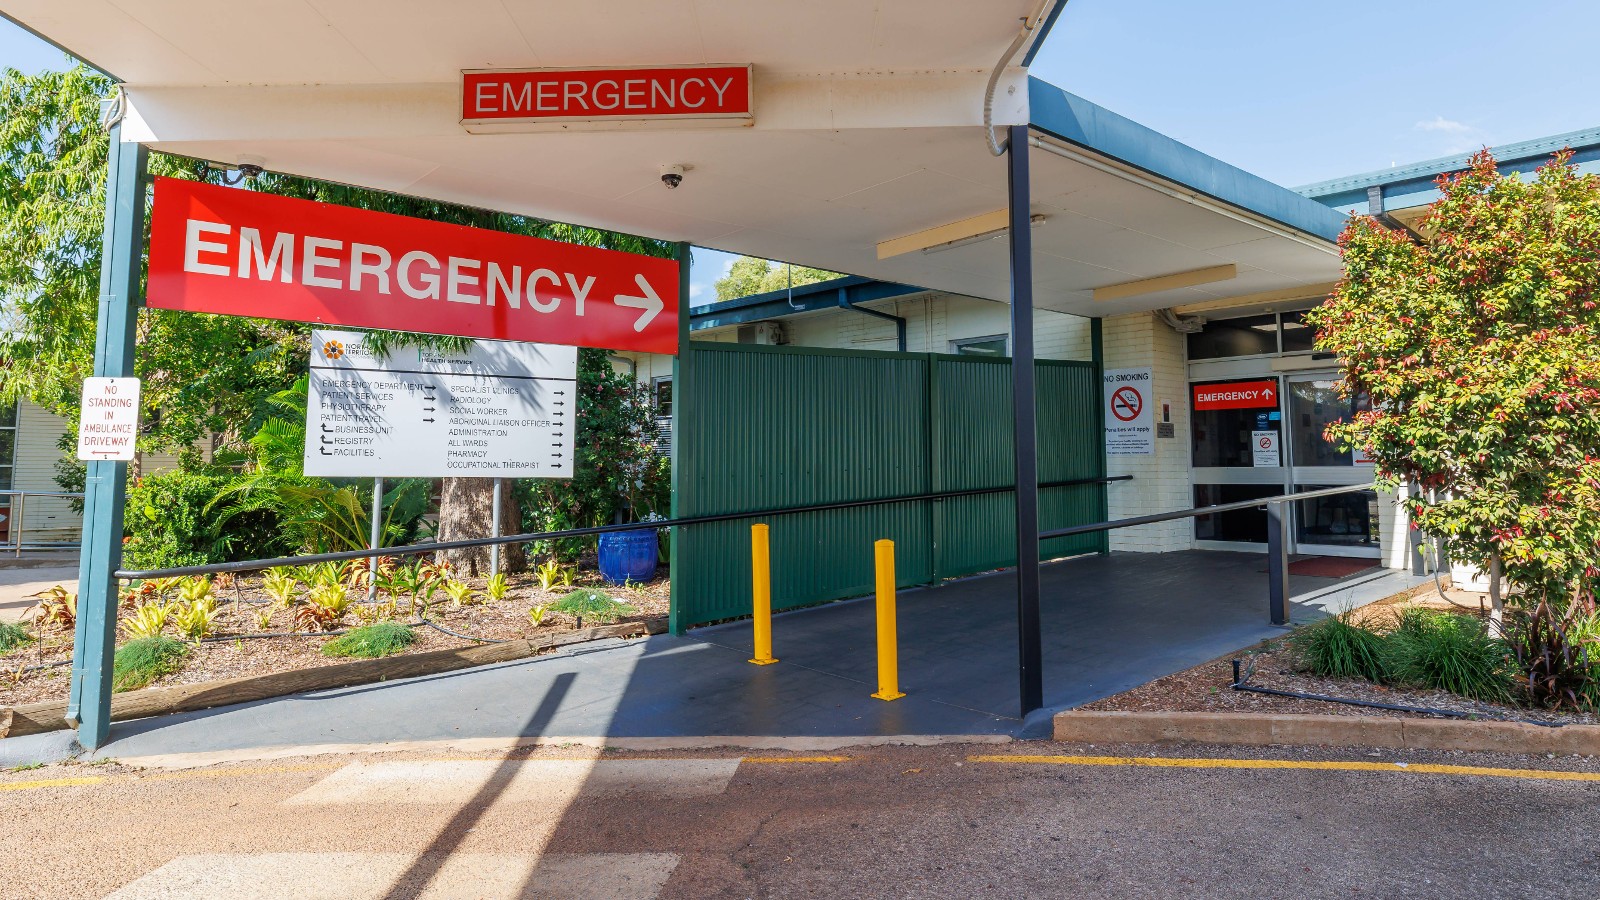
(20, 587)
(952, 821)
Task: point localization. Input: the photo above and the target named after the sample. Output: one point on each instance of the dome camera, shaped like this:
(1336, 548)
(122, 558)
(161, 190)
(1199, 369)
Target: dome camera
(672, 176)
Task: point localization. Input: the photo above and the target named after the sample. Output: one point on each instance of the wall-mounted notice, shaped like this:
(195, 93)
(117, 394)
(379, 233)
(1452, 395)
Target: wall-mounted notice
(1129, 414)
(500, 409)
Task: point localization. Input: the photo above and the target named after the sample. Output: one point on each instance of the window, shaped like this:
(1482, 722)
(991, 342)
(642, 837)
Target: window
(8, 445)
(661, 395)
(990, 345)
(1297, 335)
(1249, 336)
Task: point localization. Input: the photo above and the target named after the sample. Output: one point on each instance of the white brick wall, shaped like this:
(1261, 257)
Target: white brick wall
(1161, 481)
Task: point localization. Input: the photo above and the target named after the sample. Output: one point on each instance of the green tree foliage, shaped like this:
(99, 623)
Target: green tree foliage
(750, 275)
(1480, 350)
(617, 474)
(204, 373)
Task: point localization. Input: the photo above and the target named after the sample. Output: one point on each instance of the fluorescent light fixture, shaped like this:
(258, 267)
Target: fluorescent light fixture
(1160, 283)
(964, 233)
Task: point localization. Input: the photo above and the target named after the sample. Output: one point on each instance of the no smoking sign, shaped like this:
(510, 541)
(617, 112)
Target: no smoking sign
(1126, 404)
(1130, 429)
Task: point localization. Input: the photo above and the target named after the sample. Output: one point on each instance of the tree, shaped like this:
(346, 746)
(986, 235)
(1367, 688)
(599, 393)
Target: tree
(750, 275)
(1480, 349)
(205, 375)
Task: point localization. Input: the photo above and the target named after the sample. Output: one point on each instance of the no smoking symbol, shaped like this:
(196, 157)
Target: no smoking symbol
(1126, 404)
(1266, 443)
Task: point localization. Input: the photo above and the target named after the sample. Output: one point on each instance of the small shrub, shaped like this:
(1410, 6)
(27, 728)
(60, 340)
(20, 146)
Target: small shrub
(12, 636)
(536, 615)
(1556, 653)
(325, 574)
(371, 641)
(280, 584)
(148, 620)
(459, 592)
(263, 616)
(588, 604)
(195, 590)
(196, 619)
(1447, 651)
(497, 587)
(1336, 647)
(324, 608)
(140, 662)
(58, 608)
(551, 575)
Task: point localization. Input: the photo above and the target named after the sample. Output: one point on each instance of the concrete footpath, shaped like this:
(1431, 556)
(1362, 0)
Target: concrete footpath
(1110, 623)
(20, 587)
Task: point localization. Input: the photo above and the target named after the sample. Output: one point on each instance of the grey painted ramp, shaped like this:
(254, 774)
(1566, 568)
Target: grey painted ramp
(1110, 623)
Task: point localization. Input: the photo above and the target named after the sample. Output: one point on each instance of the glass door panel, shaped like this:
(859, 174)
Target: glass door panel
(1237, 454)
(1344, 524)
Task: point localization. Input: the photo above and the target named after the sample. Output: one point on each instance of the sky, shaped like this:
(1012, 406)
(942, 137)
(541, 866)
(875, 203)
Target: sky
(1295, 92)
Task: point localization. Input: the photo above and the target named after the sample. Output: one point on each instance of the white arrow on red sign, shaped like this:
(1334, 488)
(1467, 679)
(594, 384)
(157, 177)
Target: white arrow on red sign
(650, 302)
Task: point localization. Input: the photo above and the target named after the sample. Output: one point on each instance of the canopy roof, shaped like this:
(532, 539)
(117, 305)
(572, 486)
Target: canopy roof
(868, 128)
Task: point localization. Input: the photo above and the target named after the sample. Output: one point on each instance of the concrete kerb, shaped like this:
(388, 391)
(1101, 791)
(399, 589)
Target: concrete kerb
(1383, 732)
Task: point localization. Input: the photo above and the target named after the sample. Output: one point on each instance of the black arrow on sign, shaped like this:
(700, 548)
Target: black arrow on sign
(325, 440)
(427, 409)
(327, 430)
(555, 434)
(561, 403)
(324, 451)
(556, 455)
(427, 420)
(561, 393)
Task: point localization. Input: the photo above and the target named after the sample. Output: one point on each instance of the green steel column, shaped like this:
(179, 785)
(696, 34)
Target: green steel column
(681, 374)
(1097, 350)
(89, 704)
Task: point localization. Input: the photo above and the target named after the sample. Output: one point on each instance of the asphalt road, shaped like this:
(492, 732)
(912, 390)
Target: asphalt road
(1017, 820)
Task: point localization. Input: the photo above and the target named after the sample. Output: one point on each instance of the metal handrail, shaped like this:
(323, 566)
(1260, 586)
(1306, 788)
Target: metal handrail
(19, 507)
(252, 565)
(1203, 511)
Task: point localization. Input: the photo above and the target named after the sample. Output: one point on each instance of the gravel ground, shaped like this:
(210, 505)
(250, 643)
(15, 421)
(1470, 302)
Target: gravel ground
(505, 620)
(1205, 688)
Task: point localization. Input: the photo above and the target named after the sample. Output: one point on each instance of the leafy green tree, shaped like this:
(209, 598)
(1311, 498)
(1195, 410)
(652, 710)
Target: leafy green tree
(1480, 349)
(750, 275)
(205, 374)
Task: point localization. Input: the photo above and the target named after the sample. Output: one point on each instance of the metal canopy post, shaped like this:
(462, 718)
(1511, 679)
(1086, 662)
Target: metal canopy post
(1030, 647)
(89, 703)
(1278, 561)
(682, 366)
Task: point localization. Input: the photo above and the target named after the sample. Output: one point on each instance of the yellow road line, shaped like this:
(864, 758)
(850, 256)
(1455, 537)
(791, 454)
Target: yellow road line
(795, 759)
(1160, 762)
(50, 783)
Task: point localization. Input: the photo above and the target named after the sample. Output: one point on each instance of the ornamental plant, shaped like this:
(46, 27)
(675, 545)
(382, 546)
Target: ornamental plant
(1479, 347)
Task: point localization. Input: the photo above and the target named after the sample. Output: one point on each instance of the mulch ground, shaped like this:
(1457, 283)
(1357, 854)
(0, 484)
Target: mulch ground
(1273, 664)
(235, 653)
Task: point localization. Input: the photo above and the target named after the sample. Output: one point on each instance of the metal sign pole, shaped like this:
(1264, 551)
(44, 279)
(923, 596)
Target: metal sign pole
(377, 539)
(494, 549)
(105, 483)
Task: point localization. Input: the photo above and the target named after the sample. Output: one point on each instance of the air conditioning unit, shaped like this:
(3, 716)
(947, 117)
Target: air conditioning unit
(768, 333)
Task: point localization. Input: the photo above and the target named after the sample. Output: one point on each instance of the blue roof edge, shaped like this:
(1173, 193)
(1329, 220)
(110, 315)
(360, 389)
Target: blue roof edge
(1431, 168)
(805, 297)
(1068, 117)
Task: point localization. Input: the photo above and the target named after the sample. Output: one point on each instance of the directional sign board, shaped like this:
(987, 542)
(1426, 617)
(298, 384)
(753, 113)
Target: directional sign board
(244, 253)
(500, 409)
(108, 422)
(1129, 416)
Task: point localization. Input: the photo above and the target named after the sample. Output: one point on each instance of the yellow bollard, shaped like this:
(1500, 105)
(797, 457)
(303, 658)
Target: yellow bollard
(761, 594)
(888, 640)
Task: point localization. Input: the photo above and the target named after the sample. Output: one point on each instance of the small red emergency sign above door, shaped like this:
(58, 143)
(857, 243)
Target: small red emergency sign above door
(241, 253)
(1236, 395)
(575, 95)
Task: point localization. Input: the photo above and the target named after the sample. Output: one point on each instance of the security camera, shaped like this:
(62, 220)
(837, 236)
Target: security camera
(671, 176)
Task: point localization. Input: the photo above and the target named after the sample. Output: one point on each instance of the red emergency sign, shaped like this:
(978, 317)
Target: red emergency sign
(1236, 395)
(241, 253)
(542, 95)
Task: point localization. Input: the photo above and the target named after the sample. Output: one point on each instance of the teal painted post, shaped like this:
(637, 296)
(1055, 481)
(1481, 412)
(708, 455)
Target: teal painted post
(682, 366)
(1097, 350)
(89, 703)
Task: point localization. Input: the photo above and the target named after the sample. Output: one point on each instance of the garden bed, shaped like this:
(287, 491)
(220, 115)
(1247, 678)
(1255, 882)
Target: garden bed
(1274, 664)
(236, 650)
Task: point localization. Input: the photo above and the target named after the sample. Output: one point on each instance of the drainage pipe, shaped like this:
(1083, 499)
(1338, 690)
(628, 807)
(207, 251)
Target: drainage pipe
(899, 321)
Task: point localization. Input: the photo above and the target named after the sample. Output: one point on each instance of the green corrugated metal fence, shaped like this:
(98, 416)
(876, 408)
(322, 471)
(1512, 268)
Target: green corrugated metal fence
(770, 427)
